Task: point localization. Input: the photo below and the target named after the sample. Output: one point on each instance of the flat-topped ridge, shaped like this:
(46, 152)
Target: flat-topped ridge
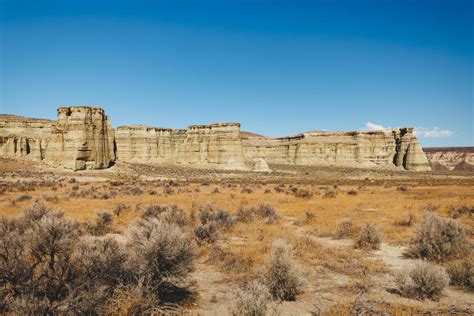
(80, 107)
(17, 118)
(83, 138)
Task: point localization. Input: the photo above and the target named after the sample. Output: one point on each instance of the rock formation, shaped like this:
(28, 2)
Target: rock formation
(451, 158)
(209, 146)
(82, 138)
(261, 165)
(382, 148)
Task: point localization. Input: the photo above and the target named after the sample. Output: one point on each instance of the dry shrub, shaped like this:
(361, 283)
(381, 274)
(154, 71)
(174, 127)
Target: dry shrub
(407, 222)
(309, 216)
(245, 214)
(251, 299)
(461, 272)
(458, 211)
(279, 188)
(369, 238)
(438, 238)
(282, 273)
(36, 259)
(22, 198)
(49, 267)
(246, 190)
(425, 280)
(119, 209)
(101, 225)
(168, 213)
(175, 215)
(206, 233)
(160, 253)
(403, 188)
(352, 192)
(330, 193)
(304, 193)
(207, 214)
(132, 300)
(266, 210)
(345, 228)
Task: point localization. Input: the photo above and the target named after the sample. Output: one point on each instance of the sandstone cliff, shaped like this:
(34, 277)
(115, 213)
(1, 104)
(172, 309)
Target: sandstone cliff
(82, 138)
(214, 146)
(384, 148)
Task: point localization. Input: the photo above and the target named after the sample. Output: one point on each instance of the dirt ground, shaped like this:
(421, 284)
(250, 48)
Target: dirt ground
(310, 202)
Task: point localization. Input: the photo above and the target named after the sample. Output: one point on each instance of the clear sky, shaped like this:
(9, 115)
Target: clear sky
(278, 67)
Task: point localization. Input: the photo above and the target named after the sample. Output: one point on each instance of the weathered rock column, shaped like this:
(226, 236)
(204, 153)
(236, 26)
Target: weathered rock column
(85, 138)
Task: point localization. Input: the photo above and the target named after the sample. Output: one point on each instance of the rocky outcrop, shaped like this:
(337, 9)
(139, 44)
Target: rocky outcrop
(261, 166)
(82, 138)
(384, 148)
(208, 146)
(451, 158)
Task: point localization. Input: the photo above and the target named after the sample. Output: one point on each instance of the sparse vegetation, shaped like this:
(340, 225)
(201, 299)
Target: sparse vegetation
(438, 238)
(233, 242)
(461, 272)
(282, 275)
(266, 210)
(369, 238)
(206, 233)
(52, 267)
(345, 228)
(101, 225)
(425, 280)
(251, 299)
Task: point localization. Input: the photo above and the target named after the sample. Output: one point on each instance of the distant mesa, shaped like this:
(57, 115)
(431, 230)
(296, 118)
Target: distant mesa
(451, 158)
(82, 138)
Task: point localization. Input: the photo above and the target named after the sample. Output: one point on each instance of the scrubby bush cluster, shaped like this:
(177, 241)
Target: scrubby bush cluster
(425, 280)
(345, 228)
(101, 225)
(266, 210)
(251, 299)
(211, 220)
(369, 238)
(49, 264)
(461, 272)
(283, 276)
(438, 238)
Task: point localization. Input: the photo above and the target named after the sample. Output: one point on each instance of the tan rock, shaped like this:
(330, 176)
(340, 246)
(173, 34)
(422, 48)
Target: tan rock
(261, 165)
(82, 138)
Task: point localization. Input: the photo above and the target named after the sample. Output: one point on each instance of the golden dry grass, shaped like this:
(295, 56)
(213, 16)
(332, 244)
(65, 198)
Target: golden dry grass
(242, 249)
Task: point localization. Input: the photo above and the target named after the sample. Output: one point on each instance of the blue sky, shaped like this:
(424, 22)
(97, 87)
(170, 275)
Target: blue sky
(278, 67)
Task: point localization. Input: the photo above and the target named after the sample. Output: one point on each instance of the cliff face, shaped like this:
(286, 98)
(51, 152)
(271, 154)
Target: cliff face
(451, 158)
(82, 138)
(214, 146)
(383, 148)
(23, 137)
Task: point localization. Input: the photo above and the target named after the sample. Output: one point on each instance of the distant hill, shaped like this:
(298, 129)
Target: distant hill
(451, 158)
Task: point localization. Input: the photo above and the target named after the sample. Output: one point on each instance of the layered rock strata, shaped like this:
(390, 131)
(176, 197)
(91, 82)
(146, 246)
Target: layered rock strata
(390, 147)
(216, 145)
(82, 138)
(451, 158)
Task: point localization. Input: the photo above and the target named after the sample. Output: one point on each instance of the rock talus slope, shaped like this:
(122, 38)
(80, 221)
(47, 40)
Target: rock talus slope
(82, 138)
